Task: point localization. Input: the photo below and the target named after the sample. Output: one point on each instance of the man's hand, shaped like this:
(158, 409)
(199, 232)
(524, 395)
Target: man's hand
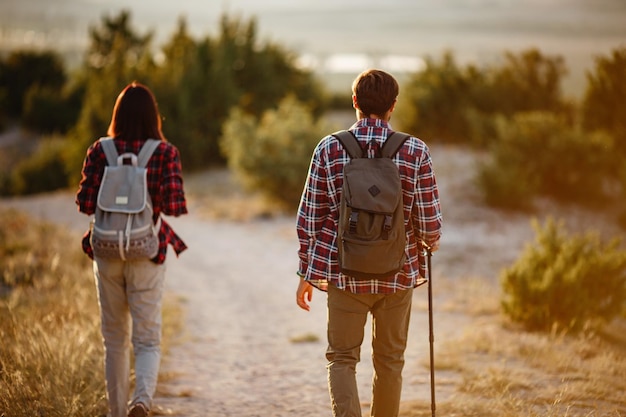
(433, 248)
(304, 294)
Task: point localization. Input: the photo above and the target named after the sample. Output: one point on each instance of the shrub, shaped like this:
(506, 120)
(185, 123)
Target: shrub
(434, 100)
(450, 103)
(272, 155)
(528, 81)
(48, 111)
(538, 153)
(504, 188)
(23, 69)
(42, 171)
(565, 281)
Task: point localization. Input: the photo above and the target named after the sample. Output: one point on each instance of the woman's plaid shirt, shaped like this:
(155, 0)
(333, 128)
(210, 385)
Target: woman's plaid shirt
(318, 213)
(165, 185)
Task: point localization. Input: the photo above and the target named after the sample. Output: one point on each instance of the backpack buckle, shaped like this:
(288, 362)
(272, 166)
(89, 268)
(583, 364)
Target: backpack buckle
(354, 218)
(386, 227)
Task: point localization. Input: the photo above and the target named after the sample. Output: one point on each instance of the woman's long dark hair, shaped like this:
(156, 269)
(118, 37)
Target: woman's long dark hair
(136, 115)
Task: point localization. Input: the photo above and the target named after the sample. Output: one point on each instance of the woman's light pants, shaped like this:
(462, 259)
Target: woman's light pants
(130, 294)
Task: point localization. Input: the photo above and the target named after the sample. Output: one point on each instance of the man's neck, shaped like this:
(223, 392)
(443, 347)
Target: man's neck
(384, 118)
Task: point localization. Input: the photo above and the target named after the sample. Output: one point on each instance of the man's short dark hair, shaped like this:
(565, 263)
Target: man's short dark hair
(375, 92)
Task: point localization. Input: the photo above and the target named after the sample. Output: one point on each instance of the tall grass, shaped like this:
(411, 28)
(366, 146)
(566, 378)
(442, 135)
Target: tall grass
(50, 350)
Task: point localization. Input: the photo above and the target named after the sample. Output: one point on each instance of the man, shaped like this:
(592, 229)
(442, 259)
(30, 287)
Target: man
(350, 300)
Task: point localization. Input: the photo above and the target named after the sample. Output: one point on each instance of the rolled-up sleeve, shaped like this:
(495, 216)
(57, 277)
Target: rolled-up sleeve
(174, 203)
(427, 210)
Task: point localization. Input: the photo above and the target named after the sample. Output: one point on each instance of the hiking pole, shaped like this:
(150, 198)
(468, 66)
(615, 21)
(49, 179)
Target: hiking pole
(431, 335)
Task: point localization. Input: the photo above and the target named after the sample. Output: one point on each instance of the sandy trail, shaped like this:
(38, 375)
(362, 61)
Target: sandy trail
(238, 282)
(237, 285)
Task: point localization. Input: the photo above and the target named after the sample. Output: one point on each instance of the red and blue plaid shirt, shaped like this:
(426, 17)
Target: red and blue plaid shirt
(165, 185)
(318, 214)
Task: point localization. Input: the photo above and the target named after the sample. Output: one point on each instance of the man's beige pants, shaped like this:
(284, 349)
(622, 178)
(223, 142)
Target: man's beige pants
(130, 295)
(347, 315)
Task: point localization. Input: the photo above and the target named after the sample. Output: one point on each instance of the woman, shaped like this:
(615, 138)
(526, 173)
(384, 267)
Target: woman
(130, 292)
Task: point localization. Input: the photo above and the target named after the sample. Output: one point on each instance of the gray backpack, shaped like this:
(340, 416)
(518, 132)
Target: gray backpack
(372, 235)
(123, 227)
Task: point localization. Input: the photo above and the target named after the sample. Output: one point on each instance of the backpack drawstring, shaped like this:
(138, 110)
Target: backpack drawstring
(123, 237)
(129, 224)
(120, 244)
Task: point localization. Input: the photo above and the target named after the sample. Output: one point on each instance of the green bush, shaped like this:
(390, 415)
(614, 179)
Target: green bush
(539, 153)
(42, 171)
(565, 281)
(23, 69)
(52, 111)
(528, 81)
(433, 103)
(502, 187)
(48, 111)
(451, 103)
(272, 155)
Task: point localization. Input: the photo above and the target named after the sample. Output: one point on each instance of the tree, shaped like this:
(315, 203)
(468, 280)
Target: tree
(114, 44)
(116, 56)
(200, 82)
(195, 96)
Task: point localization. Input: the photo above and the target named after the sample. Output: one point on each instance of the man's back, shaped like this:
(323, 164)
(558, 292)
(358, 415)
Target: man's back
(319, 212)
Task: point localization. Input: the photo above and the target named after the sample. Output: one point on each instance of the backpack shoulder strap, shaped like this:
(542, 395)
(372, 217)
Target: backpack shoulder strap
(146, 152)
(350, 143)
(393, 144)
(108, 146)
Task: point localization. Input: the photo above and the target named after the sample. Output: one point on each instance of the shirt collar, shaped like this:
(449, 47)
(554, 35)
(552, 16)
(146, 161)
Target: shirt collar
(367, 122)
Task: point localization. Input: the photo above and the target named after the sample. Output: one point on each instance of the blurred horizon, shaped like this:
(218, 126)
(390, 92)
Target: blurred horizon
(343, 38)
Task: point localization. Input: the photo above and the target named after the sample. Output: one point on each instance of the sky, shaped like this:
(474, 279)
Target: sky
(345, 35)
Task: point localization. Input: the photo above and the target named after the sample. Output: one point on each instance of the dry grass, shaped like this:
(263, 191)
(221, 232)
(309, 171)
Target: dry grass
(502, 371)
(305, 338)
(51, 351)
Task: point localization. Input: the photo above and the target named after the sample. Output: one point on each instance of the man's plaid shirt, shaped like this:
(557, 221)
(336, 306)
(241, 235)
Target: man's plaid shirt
(165, 185)
(318, 213)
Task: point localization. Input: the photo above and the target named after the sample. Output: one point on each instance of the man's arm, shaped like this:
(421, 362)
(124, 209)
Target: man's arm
(427, 210)
(311, 212)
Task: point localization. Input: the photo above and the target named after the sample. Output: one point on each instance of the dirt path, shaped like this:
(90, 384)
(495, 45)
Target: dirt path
(237, 285)
(238, 281)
